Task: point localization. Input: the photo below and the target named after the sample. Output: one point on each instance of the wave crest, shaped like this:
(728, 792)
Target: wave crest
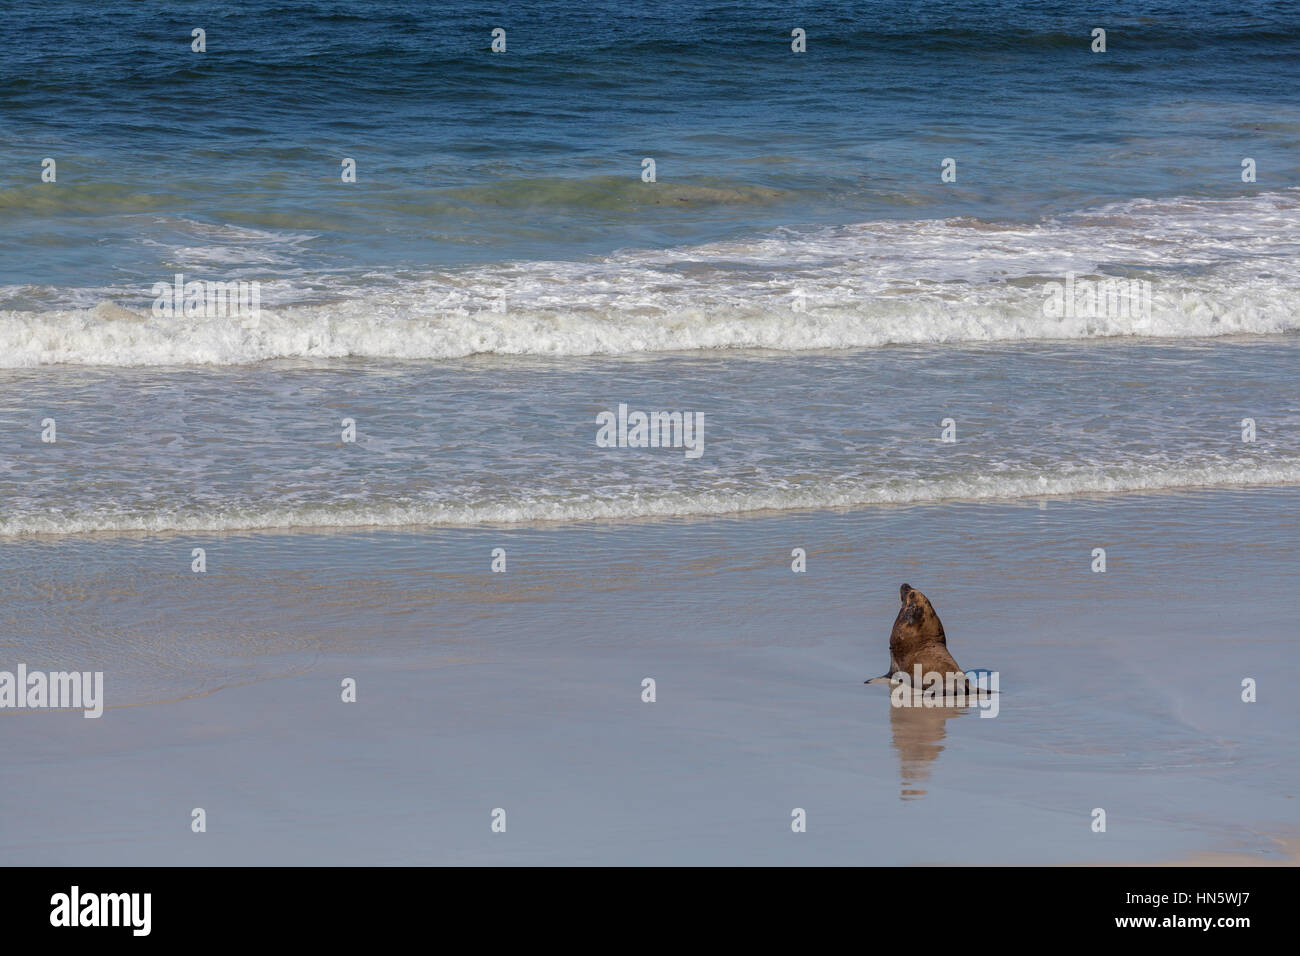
(1215, 267)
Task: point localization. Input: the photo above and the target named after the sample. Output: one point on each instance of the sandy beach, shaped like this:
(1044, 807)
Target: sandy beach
(523, 691)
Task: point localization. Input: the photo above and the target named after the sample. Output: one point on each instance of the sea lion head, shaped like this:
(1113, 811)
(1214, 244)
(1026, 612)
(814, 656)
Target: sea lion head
(917, 615)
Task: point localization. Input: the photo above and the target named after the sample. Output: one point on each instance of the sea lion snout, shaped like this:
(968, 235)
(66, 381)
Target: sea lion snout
(904, 591)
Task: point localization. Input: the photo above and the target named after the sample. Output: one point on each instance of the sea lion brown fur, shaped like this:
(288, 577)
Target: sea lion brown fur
(918, 640)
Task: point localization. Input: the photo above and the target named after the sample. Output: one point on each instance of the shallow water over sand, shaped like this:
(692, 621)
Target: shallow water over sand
(523, 690)
(515, 440)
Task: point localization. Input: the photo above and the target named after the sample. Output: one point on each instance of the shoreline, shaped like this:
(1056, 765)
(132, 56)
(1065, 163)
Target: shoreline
(594, 523)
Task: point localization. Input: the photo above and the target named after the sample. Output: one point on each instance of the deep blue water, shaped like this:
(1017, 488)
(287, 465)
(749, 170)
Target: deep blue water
(466, 156)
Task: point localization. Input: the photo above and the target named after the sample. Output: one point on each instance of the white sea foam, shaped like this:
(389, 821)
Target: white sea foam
(632, 505)
(1216, 267)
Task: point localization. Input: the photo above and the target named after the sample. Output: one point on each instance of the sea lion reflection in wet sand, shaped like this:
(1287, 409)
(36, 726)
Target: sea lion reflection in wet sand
(919, 734)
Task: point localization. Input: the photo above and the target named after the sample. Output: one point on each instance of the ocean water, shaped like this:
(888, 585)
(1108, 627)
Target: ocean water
(494, 440)
(499, 213)
(521, 171)
(884, 364)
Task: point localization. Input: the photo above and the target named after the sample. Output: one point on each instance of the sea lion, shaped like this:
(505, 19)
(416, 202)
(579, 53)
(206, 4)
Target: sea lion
(917, 640)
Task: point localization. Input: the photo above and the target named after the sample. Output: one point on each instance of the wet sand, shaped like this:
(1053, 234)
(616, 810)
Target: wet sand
(523, 691)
